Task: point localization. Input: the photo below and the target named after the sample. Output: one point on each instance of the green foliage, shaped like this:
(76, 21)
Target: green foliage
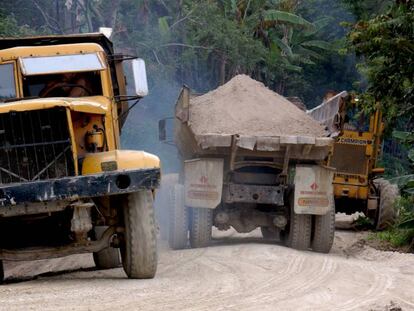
(395, 165)
(10, 28)
(363, 223)
(396, 236)
(406, 182)
(272, 17)
(386, 43)
(402, 233)
(367, 9)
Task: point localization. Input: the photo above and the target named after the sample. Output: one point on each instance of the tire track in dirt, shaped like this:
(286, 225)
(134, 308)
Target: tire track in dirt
(371, 294)
(294, 267)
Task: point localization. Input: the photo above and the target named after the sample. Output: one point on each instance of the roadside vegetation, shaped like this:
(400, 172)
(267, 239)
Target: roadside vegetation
(384, 43)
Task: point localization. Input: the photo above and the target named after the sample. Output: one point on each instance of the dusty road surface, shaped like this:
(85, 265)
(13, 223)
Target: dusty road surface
(235, 274)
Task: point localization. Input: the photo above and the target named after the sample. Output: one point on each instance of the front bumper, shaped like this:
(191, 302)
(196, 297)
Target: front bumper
(79, 187)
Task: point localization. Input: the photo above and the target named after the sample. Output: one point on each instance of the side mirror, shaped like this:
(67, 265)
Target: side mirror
(140, 77)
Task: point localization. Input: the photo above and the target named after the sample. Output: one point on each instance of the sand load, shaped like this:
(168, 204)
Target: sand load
(244, 114)
(246, 107)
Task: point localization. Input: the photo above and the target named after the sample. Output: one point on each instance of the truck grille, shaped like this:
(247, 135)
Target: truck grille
(35, 145)
(349, 159)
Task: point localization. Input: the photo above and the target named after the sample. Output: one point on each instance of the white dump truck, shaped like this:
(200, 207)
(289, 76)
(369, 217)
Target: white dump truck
(250, 159)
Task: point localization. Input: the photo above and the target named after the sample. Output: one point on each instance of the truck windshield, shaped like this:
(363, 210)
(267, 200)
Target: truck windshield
(78, 84)
(32, 66)
(7, 83)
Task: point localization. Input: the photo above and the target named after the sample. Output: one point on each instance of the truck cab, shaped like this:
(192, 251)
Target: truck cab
(65, 185)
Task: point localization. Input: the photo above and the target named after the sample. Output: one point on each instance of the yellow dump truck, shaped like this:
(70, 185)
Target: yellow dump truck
(65, 185)
(355, 155)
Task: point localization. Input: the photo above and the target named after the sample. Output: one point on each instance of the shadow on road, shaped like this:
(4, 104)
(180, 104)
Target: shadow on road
(13, 280)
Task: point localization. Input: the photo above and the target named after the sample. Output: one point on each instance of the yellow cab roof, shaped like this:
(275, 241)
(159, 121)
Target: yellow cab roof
(11, 48)
(64, 49)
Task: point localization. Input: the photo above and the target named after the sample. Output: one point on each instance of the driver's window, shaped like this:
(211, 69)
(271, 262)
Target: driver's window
(7, 82)
(78, 84)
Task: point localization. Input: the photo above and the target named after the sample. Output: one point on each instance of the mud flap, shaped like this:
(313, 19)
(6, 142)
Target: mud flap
(313, 190)
(203, 182)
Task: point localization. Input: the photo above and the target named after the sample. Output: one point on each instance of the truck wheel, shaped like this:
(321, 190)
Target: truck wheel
(268, 234)
(139, 249)
(107, 258)
(201, 224)
(178, 237)
(300, 228)
(324, 232)
(386, 213)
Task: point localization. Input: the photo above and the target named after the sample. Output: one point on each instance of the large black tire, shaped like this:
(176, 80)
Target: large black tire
(387, 212)
(300, 228)
(178, 237)
(139, 249)
(269, 234)
(200, 229)
(324, 232)
(107, 258)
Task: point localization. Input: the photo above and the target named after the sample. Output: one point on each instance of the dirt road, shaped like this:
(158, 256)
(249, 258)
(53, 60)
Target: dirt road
(236, 274)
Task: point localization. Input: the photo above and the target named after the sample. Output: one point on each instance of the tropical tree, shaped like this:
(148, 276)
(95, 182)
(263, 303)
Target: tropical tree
(289, 39)
(386, 45)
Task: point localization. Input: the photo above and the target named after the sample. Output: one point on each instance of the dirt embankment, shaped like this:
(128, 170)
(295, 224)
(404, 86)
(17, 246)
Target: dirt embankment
(241, 272)
(245, 106)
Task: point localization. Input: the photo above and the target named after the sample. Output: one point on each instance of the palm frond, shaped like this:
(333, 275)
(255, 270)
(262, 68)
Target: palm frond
(323, 45)
(402, 180)
(272, 17)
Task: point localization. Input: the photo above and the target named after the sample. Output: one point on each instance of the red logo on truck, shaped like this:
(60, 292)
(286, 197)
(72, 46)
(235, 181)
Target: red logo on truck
(314, 186)
(204, 180)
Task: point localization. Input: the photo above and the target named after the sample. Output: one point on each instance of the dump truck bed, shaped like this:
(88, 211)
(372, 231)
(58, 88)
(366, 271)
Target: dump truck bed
(247, 116)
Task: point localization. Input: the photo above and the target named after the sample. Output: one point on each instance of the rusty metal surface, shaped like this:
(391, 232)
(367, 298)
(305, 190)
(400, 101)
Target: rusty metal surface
(241, 193)
(33, 208)
(244, 219)
(60, 251)
(35, 145)
(78, 187)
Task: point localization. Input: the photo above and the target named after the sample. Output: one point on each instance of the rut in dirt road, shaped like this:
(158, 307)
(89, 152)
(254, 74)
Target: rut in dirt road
(236, 273)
